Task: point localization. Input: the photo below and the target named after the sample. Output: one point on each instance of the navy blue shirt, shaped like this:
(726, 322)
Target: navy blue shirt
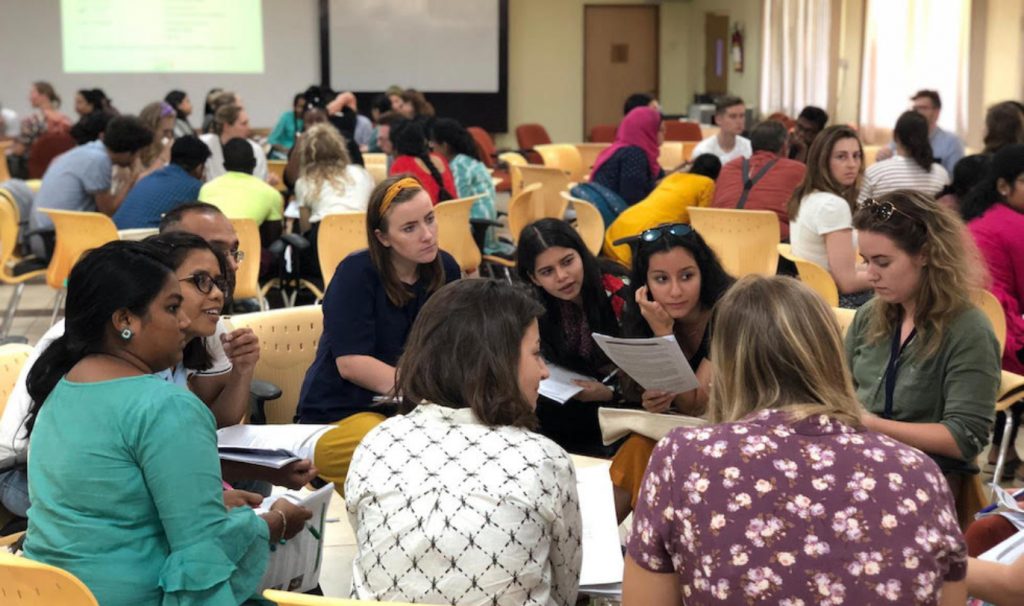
(627, 173)
(359, 319)
(155, 195)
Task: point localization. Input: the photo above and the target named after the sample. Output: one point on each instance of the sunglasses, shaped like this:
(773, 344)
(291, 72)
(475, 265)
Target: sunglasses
(205, 282)
(655, 233)
(882, 211)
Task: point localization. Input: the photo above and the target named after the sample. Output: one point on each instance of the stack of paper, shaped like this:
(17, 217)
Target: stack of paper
(656, 364)
(295, 566)
(602, 554)
(559, 386)
(269, 445)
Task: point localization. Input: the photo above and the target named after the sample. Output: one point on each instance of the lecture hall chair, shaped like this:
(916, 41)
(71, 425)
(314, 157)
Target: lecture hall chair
(529, 136)
(25, 582)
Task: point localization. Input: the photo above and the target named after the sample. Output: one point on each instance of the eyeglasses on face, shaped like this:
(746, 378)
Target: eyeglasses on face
(655, 233)
(205, 282)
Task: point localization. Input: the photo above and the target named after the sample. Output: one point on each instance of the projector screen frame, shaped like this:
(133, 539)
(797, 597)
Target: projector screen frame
(486, 110)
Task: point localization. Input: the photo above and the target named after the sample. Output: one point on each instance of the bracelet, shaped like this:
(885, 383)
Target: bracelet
(284, 528)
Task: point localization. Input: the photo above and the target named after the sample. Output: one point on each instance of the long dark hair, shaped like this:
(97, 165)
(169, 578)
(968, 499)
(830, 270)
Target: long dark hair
(174, 99)
(912, 133)
(485, 322)
(714, 280)
(538, 237)
(447, 130)
(174, 247)
(410, 139)
(1007, 164)
(118, 275)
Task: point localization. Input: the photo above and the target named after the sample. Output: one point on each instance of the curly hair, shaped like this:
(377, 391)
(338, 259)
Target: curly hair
(920, 225)
(323, 158)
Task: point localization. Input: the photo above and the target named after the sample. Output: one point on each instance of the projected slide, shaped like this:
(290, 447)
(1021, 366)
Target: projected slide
(208, 36)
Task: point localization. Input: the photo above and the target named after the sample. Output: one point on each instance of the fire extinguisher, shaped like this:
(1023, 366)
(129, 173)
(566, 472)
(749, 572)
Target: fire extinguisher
(736, 48)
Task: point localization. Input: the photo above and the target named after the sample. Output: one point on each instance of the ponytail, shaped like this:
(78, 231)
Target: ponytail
(442, 192)
(410, 139)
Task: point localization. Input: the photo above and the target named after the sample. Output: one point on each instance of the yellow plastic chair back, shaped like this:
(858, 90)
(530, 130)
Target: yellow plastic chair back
(589, 153)
(276, 168)
(76, 232)
(4, 172)
(589, 223)
(247, 279)
(670, 154)
(287, 598)
(989, 304)
(340, 235)
(455, 234)
(24, 582)
(553, 181)
(523, 209)
(746, 241)
(564, 156)
(9, 217)
(871, 154)
(813, 275)
(12, 358)
(845, 318)
(376, 164)
(288, 341)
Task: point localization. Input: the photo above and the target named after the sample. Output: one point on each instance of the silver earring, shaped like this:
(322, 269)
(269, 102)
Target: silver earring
(127, 333)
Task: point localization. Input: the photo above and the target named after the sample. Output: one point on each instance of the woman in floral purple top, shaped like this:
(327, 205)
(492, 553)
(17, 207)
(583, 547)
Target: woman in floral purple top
(787, 499)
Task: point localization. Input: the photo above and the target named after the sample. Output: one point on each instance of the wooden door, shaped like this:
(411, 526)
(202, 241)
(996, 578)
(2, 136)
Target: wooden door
(620, 58)
(716, 54)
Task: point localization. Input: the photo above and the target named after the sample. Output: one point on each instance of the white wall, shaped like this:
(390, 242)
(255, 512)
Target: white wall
(30, 50)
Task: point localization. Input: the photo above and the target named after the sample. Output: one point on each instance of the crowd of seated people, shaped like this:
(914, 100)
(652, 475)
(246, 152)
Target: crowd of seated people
(423, 396)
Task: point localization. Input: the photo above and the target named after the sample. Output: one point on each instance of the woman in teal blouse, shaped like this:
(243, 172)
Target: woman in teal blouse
(454, 142)
(124, 476)
(924, 359)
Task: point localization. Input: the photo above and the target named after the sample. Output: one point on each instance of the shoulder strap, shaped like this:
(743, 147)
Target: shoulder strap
(748, 182)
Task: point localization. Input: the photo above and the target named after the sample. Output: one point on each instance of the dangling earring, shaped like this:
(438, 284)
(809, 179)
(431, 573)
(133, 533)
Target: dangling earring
(126, 334)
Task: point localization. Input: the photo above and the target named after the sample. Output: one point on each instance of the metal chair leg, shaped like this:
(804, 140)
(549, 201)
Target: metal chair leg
(57, 304)
(1004, 445)
(12, 308)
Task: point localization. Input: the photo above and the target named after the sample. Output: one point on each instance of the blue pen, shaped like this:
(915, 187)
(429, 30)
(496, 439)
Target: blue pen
(993, 506)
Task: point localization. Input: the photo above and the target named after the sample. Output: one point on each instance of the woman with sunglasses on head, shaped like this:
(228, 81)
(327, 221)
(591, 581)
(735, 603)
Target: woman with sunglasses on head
(677, 281)
(369, 308)
(152, 527)
(580, 297)
(786, 498)
(821, 211)
(924, 359)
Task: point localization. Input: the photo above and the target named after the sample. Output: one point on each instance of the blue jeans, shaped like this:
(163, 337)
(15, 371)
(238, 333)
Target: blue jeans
(14, 491)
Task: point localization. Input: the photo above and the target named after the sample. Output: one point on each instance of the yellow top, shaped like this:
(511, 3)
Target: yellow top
(668, 203)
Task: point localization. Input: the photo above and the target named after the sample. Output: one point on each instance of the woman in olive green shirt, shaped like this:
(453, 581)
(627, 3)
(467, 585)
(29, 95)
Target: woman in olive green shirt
(924, 359)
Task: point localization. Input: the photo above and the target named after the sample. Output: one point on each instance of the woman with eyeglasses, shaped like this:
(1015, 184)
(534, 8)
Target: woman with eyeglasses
(821, 211)
(124, 475)
(677, 281)
(580, 297)
(924, 359)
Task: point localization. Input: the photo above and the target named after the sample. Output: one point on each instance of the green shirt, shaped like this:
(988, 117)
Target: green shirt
(243, 196)
(124, 480)
(957, 386)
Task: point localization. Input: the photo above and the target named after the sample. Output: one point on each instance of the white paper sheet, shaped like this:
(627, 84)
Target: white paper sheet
(657, 363)
(295, 566)
(300, 440)
(559, 386)
(602, 552)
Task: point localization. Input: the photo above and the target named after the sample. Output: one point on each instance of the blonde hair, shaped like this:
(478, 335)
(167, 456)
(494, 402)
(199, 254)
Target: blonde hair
(323, 158)
(819, 170)
(919, 225)
(777, 345)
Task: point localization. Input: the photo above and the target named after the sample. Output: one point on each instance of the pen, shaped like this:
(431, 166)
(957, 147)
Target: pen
(610, 376)
(313, 531)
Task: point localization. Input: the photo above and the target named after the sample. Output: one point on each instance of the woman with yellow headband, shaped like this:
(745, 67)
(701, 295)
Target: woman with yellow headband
(369, 307)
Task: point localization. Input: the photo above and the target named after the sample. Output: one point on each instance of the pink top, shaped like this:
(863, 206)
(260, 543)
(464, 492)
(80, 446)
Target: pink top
(638, 129)
(999, 234)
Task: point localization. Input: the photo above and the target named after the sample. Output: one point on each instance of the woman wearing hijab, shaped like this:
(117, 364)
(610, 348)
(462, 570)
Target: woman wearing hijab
(629, 167)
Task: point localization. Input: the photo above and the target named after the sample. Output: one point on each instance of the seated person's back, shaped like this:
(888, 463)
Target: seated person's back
(482, 509)
(668, 203)
(167, 188)
(765, 181)
(239, 194)
(629, 167)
